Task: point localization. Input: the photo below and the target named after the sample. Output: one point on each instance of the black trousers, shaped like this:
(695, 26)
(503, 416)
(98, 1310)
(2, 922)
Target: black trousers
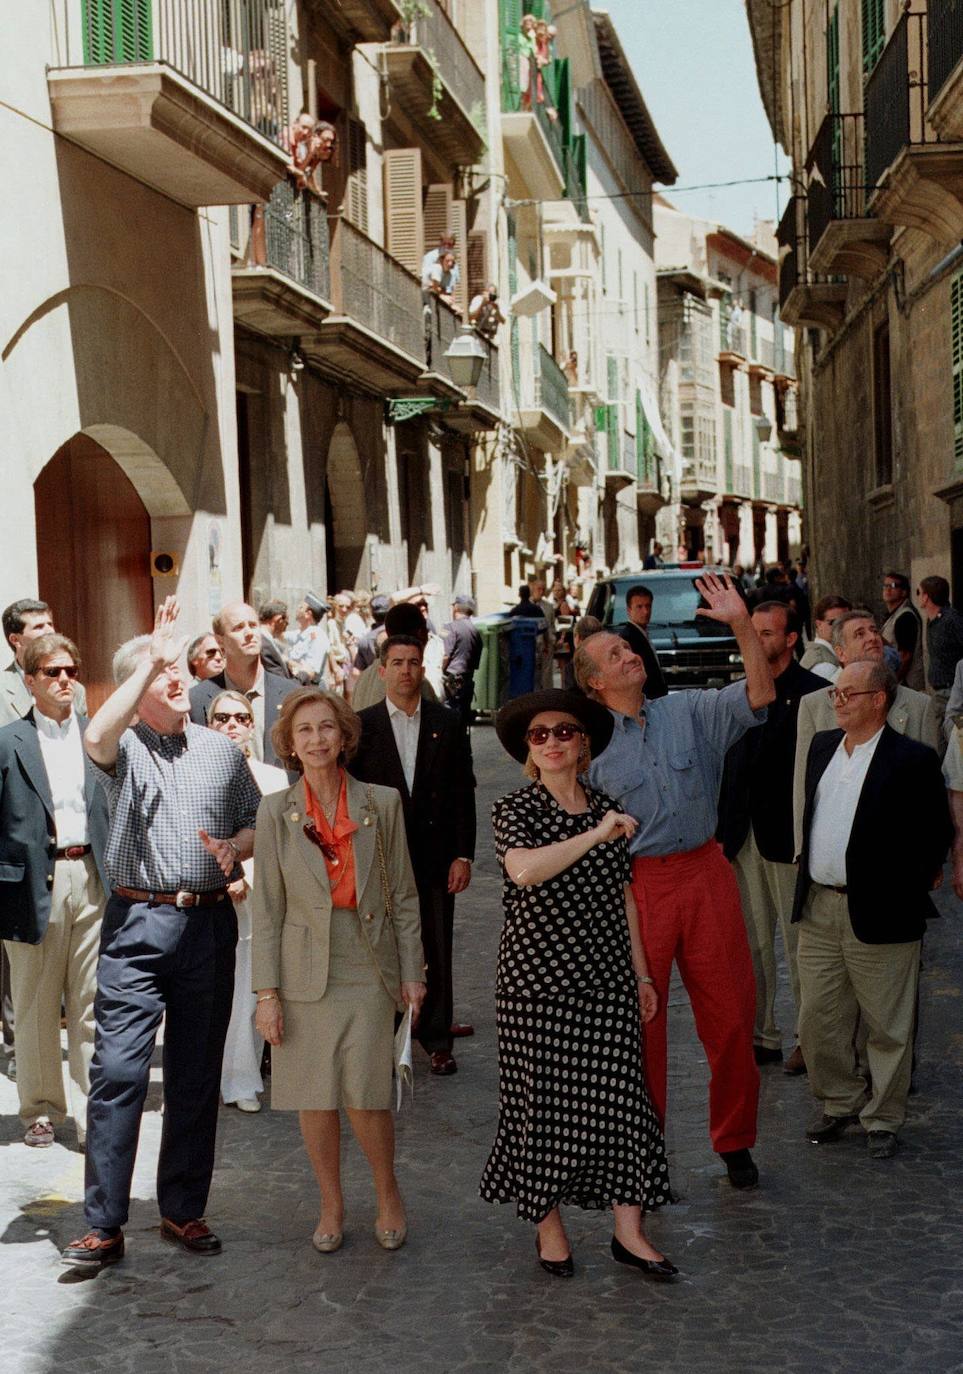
(6, 998)
(158, 961)
(437, 926)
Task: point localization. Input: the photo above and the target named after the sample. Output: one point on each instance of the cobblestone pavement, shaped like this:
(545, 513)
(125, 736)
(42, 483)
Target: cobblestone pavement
(835, 1263)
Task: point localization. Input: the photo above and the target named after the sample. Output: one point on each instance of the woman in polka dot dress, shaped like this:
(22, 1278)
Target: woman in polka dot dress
(575, 1126)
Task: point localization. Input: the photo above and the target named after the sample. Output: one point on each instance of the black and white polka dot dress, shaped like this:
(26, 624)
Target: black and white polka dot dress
(575, 1125)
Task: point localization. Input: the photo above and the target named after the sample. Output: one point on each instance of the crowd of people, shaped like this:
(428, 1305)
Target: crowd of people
(266, 857)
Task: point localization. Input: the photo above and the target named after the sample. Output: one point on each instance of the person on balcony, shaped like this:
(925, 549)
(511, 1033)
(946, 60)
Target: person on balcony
(485, 313)
(442, 279)
(446, 245)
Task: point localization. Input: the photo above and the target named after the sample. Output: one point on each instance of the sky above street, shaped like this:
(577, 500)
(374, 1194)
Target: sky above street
(693, 62)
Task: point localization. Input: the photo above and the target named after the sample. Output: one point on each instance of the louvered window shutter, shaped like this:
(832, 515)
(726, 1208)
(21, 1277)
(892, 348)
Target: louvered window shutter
(478, 278)
(356, 185)
(459, 227)
(404, 229)
(727, 439)
(278, 48)
(117, 31)
(956, 331)
(874, 32)
(437, 214)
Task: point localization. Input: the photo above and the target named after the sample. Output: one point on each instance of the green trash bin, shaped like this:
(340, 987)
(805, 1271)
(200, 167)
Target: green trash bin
(491, 675)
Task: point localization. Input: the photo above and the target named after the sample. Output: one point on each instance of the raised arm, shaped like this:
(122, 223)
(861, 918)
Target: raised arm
(728, 607)
(102, 736)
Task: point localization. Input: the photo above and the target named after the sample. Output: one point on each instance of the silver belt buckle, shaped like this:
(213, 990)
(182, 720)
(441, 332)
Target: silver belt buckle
(184, 899)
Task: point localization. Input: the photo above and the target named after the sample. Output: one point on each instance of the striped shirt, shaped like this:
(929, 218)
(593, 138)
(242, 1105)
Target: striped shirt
(162, 791)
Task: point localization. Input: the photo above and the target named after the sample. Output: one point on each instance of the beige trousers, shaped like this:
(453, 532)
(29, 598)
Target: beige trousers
(61, 969)
(766, 890)
(840, 977)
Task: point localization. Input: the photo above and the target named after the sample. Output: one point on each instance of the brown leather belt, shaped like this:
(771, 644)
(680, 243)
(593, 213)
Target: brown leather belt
(829, 887)
(73, 851)
(180, 899)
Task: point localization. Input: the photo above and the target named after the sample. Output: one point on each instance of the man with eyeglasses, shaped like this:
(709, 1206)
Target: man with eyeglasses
(861, 921)
(856, 639)
(902, 630)
(205, 657)
(53, 836)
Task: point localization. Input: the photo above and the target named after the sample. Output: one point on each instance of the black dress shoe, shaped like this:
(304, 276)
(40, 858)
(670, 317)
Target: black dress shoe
(443, 1063)
(92, 1251)
(881, 1144)
(193, 1235)
(740, 1168)
(663, 1270)
(560, 1269)
(763, 1054)
(829, 1128)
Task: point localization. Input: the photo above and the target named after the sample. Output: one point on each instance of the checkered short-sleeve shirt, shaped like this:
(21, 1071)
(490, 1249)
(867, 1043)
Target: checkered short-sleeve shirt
(162, 791)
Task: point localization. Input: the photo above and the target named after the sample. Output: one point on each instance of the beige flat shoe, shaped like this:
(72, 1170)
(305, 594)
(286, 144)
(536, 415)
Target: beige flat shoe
(326, 1242)
(391, 1240)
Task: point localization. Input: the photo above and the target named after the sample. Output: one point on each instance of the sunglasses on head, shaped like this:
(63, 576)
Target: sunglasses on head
(72, 671)
(538, 734)
(222, 717)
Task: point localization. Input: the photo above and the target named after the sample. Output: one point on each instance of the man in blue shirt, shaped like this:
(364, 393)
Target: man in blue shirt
(664, 767)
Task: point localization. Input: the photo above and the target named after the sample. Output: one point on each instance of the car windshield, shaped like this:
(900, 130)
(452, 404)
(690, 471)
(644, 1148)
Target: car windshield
(674, 602)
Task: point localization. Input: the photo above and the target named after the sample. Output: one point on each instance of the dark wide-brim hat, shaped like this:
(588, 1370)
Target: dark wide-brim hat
(514, 718)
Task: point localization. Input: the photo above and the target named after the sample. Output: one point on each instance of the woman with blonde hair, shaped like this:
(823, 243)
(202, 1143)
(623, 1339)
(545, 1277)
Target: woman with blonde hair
(337, 951)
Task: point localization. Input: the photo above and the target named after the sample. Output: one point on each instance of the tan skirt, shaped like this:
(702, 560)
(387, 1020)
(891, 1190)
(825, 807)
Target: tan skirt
(338, 1052)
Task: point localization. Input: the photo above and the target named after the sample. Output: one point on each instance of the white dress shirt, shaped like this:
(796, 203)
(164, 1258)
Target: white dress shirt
(63, 758)
(406, 731)
(837, 797)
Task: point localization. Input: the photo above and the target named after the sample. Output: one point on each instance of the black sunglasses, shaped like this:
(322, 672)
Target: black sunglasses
(222, 717)
(54, 673)
(328, 850)
(538, 734)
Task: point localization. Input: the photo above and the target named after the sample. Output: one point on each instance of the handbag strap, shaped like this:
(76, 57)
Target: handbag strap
(382, 862)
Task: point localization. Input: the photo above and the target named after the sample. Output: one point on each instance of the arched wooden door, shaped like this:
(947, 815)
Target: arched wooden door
(93, 554)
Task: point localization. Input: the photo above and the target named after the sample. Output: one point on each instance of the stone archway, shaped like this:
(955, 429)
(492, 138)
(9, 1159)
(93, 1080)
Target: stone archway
(347, 531)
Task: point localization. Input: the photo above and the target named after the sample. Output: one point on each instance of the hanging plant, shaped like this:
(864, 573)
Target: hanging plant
(437, 88)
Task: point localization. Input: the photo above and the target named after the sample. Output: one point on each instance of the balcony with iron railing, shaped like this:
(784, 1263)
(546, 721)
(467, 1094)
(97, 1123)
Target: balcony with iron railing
(282, 284)
(438, 83)
(531, 128)
(805, 298)
(477, 408)
(844, 239)
(616, 461)
(188, 96)
(914, 148)
(543, 399)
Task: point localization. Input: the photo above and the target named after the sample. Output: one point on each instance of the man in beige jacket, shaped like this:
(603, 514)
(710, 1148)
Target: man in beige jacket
(856, 639)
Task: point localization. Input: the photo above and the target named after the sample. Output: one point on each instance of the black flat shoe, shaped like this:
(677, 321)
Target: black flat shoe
(740, 1168)
(662, 1269)
(561, 1269)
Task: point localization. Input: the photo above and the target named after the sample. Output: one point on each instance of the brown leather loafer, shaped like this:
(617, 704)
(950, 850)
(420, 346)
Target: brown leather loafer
(194, 1235)
(461, 1029)
(90, 1252)
(795, 1064)
(443, 1062)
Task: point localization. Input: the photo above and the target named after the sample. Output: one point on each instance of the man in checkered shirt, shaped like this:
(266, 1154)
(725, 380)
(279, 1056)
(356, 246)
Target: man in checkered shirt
(182, 807)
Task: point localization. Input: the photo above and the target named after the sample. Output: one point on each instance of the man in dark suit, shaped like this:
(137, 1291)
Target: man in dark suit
(273, 618)
(53, 834)
(463, 650)
(861, 918)
(22, 621)
(756, 824)
(237, 630)
(420, 747)
(638, 608)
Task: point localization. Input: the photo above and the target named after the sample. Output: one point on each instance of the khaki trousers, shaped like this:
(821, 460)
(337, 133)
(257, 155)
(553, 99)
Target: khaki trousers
(841, 978)
(766, 890)
(61, 969)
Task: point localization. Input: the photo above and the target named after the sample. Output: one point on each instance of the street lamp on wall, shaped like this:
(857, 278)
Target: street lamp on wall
(763, 428)
(466, 355)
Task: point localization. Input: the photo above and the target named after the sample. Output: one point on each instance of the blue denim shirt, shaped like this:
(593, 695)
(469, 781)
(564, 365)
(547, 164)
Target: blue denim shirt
(665, 769)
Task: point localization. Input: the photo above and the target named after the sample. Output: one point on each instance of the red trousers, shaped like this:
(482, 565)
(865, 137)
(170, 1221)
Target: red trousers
(689, 911)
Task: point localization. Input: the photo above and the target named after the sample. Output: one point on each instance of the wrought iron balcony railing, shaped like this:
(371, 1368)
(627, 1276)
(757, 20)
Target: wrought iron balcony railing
(944, 42)
(837, 179)
(296, 237)
(895, 98)
(551, 388)
(369, 286)
(436, 34)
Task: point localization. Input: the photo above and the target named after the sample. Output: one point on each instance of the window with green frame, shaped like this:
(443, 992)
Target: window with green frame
(956, 348)
(874, 32)
(832, 61)
(727, 440)
(117, 31)
(644, 443)
(756, 465)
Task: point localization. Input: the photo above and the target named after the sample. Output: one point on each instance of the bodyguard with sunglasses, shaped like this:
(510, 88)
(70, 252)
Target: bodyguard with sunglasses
(53, 834)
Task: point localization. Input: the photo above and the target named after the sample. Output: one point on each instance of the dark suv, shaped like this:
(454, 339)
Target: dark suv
(693, 651)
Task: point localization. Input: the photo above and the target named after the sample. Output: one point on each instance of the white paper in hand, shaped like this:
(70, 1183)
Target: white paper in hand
(404, 1070)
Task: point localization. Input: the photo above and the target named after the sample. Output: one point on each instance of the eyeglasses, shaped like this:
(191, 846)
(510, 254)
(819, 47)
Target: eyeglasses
(72, 671)
(211, 653)
(840, 695)
(222, 717)
(565, 731)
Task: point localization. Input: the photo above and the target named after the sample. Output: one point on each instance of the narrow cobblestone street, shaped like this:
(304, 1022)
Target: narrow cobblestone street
(835, 1263)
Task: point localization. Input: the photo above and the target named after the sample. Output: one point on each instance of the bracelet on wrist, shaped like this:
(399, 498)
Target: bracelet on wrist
(268, 997)
(644, 978)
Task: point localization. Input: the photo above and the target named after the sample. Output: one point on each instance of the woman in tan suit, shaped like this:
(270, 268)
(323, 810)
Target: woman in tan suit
(334, 953)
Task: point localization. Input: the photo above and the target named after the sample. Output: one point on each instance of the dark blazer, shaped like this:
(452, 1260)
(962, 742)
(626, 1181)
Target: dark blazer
(275, 690)
(757, 782)
(655, 683)
(901, 832)
(28, 842)
(271, 659)
(440, 809)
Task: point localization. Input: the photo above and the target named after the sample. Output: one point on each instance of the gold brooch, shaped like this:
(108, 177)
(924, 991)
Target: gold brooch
(367, 820)
(295, 817)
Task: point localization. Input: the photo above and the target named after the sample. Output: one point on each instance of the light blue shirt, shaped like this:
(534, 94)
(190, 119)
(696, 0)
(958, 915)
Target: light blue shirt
(666, 770)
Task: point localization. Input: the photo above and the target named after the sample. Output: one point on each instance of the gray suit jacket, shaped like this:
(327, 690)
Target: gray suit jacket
(27, 835)
(912, 714)
(16, 701)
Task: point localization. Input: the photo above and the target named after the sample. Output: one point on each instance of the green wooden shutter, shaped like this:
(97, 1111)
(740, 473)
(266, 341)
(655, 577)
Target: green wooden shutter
(612, 427)
(956, 333)
(117, 31)
(511, 230)
(644, 443)
(753, 340)
(558, 77)
(510, 26)
(756, 466)
(727, 440)
(832, 60)
(874, 33)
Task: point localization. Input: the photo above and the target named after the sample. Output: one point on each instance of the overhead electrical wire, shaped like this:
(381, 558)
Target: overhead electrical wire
(667, 191)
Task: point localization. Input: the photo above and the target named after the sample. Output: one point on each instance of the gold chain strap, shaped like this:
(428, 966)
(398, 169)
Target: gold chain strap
(382, 864)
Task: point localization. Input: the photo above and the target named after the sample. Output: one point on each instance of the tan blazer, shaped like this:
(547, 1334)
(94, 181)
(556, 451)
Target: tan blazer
(291, 900)
(912, 714)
